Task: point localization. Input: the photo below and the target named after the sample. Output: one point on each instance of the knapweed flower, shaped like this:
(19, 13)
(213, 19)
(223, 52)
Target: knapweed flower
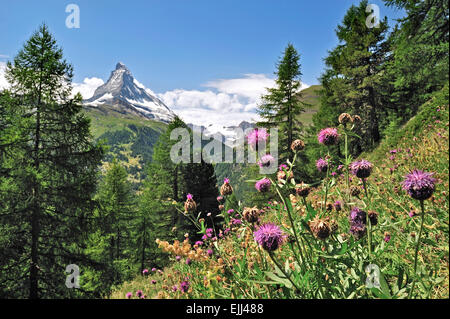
(328, 136)
(219, 199)
(297, 145)
(387, 237)
(354, 190)
(322, 165)
(257, 136)
(269, 236)
(263, 185)
(226, 188)
(190, 205)
(145, 272)
(419, 184)
(139, 293)
(266, 161)
(373, 217)
(357, 215)
(230, 211)
(154, 282)
(129, 295)
(412, 213)
(361, 168)
(184, 286)
(209, 252)
(174, 288)
(178, 258)
(358, 230)
(236, 221)
(188, 261)
(337, 205)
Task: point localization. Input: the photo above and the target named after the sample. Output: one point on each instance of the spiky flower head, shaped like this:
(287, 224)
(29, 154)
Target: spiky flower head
(357, 119)
(266, 160)
(357, 215)
(251, 215)
(361, 168)
(226, 188)
(190, 205)
(269, 236)
(328, 136)
(184, 286)
(297, 145)
(354, 190)
(345, 118)
(302, 189)
(257, 136)
(322, 165)
(263, 185)
(373, 217)
(320, 228)
(128, 295)
(419, 184)
(337, 205)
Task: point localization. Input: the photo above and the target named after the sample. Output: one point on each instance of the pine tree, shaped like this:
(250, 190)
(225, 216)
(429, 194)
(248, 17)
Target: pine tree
(282, 105)
(55, 173)
(351, 80)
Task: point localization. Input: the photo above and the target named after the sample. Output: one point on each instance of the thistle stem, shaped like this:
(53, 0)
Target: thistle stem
(284, 272)
(422, 206)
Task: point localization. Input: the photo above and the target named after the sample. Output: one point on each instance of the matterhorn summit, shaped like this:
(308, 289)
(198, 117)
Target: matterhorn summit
(124, 92)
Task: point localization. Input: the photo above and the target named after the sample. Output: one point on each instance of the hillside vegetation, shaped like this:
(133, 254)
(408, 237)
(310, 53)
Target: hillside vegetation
(237, 268)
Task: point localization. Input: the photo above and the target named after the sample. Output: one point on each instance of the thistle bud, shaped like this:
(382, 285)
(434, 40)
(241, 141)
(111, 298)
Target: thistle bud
(226, 188)
(190, 205)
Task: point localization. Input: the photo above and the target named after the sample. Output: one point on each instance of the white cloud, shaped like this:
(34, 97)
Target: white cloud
(87, 88)
(3, 83)
(226, 101)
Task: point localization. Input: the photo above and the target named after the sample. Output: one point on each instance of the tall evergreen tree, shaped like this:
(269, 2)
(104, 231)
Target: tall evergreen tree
(351, 80)
(282, 105)
(55, 176)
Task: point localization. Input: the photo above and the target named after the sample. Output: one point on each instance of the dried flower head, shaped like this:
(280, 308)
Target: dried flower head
(297, 145)
(356, 119)
(226, 188)
(190, 205)
(373, 217)
(354, 190)
(302, 189)
(251, 215)
(345, 118)
(320, 228)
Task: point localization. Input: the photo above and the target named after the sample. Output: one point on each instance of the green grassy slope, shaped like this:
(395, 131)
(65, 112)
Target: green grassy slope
(310, 96)
(421, 143)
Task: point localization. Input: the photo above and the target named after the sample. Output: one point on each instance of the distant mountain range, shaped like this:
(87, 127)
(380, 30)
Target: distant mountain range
(123, 91)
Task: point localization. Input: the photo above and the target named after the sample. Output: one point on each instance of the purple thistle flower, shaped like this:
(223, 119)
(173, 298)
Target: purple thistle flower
(145, 272)
(209, 252)
(204, 237)
(198, 243)
(226, 180)
(358, 230)
(357, 215)
(230, 211)
(236, 221)
(153, 269)
(154, 282)
(188, 261)
(189, 196)
(219, 199)
(266, 160)
(387, 237)
(129, 295)
(139, 293)
(184, 286)
(419, 184)
(412, 213)
(178, 258)
(282, 167)
(256, 137)
(174, 288)
(337, 205)
(269, 236)
(322, 165)
(263, 185)
(361, 168)
(328, 136)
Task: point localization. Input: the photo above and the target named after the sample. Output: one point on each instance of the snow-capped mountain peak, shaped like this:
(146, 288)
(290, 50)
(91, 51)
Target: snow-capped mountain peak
(123, 91)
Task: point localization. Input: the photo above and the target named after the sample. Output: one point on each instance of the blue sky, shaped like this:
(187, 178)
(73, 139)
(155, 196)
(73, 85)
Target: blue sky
(181, 44)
